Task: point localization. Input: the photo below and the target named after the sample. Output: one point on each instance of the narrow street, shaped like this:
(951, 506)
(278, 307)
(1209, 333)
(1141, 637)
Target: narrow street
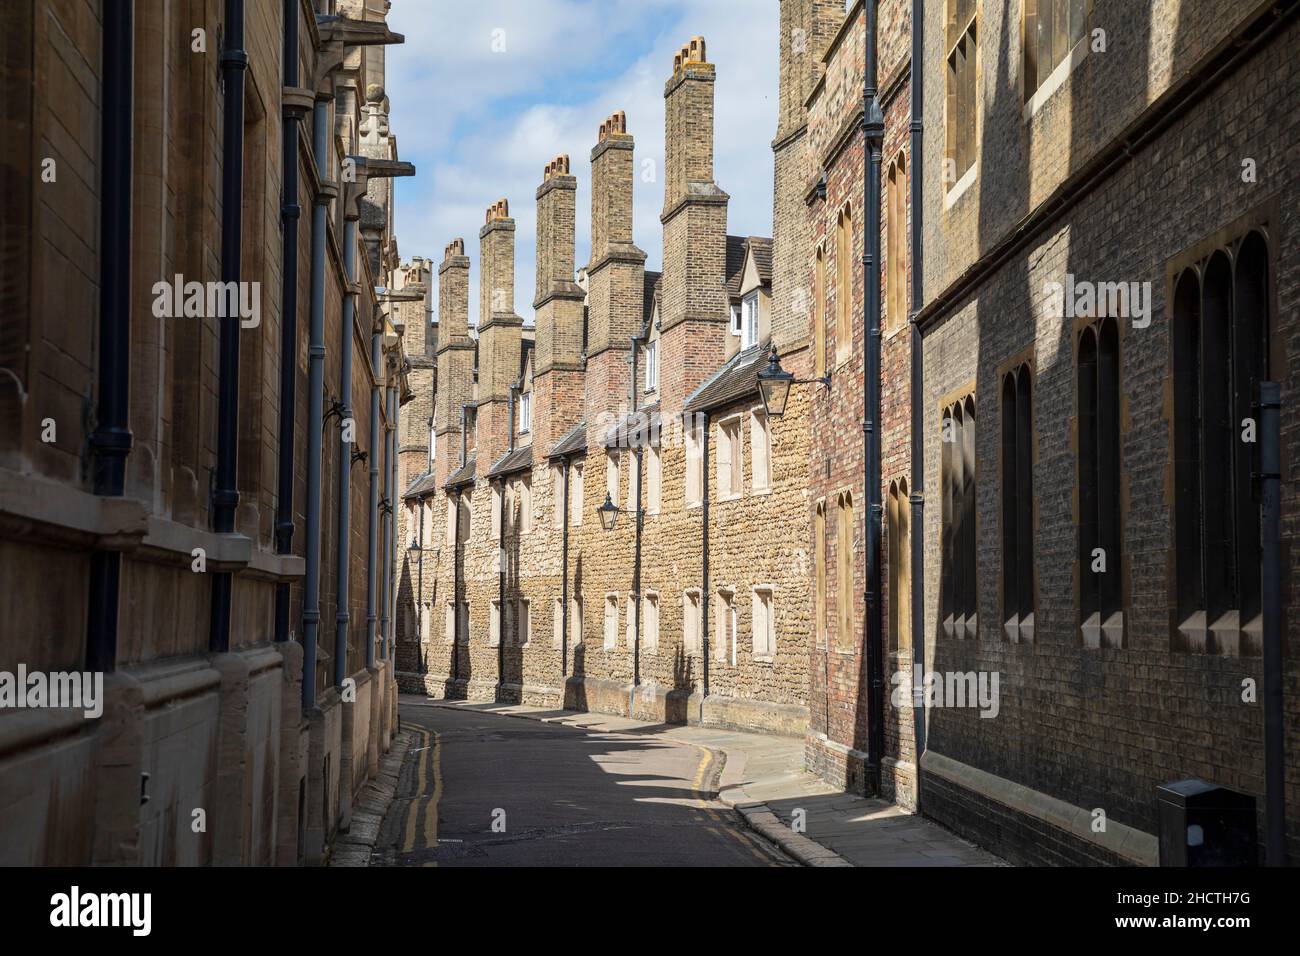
(480, 789)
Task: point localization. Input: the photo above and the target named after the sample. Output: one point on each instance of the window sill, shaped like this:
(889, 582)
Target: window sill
(961, 628)
(766, 490)
(764, 658)
(1017, 631)
(1225, 637)
(1056, 79)
(960, 187)
(724, 499)
(1109, 634)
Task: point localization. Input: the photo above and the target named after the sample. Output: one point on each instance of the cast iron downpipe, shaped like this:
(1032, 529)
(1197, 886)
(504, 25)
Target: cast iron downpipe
(372, 541)
(455, 596)
(110, 442)
(1270, 462)
(704, 548)
(564, 577)
(315, 405)
(344, 546)
(640, 523)
(395, 417)
(225, 491)
(917, 398)
(873, 129)
(289, 214)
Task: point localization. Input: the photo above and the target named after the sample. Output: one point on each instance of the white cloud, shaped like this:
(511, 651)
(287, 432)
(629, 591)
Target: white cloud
(480, 125)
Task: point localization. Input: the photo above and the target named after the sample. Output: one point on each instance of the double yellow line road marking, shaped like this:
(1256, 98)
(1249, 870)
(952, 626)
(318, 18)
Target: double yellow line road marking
(741, 836)
(430, 757)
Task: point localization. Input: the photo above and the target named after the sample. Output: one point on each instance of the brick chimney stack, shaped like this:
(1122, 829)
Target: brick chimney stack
(807, 27)
(694, 309)
(499, 333)
(455, 357)
(557, 359)
(615, 277)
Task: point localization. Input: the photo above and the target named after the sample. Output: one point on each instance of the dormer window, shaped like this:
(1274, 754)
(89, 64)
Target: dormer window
(652, 366)
(749, 320)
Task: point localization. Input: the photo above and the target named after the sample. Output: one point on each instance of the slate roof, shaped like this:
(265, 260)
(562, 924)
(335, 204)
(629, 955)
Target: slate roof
(521, 459)
(463, 475)
(573, 443)
(735, 267)
(735, 380)
(421, 486)
(640, 426)
(650, 294)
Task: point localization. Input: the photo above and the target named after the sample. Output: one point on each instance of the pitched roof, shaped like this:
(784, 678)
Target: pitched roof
(421, 486)
(574, 442)
(650, 294)
(735, 267)
(521, 459)
(761, 249)
(737, 379)
(638, 427)
(464, 475)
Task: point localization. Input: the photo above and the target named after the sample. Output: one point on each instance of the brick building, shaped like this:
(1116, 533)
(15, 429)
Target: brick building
(1080, 544)
(1091, 532)
(183, 508)
(624, 370)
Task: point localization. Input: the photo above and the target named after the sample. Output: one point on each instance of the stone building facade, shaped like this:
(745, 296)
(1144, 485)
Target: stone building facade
(535, 600)
(219, 742)
(1047, 510)
(1144, 145)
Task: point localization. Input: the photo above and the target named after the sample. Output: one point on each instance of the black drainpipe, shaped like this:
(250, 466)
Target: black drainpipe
(704, 548)
(639, 453)
(110, 442)
(289, 213)
(564, 580)
(873, 128)
(917, 397)
(225, 492)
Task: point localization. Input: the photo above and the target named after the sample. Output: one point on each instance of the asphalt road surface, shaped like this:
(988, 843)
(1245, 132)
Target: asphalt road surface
(479, 789)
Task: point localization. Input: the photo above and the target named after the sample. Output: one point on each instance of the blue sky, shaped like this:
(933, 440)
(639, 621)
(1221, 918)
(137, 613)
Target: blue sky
(485, 92)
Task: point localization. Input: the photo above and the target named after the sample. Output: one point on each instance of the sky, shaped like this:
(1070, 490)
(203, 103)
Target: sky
(484, 93)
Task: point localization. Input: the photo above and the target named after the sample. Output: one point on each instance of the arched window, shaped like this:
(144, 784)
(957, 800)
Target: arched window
(896, 244)
(844, 573)
(1220, 354)
(899, 546)
(843, 285)
(819, 574)
(958, 600)
(1017, 506)
(819, 313)
(1100, 559)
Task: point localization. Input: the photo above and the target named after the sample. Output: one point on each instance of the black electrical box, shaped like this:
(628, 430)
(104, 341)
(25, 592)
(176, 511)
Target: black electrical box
(1202, 824)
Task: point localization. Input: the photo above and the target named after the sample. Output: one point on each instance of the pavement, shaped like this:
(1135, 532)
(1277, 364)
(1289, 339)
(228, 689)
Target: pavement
(504, 784)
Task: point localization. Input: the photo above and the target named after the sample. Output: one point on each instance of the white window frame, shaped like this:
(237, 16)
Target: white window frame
(749, 320)
(524, 617)
(735, 319)
(692, 620)
(733, 486)
(525, 412)
(557, 621)
(611, 475)
(449, 625)
(652, 365)
(693, 487)
(611, 621)
(725, 621)
(763, 626)
(494, 623)
(575, 619)
(760, 452)
(632, 475)
(654, 480)
(558, 491)
(575, 491)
